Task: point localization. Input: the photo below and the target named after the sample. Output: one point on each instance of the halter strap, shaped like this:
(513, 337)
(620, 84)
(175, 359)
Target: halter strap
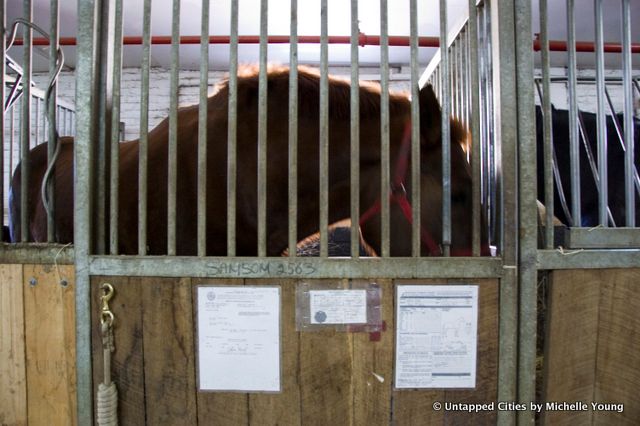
(399, 195)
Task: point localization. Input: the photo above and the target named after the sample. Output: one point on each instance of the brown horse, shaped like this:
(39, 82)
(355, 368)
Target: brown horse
(277, 174)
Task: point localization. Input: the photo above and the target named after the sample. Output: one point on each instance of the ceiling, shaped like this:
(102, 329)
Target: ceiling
(309, 24)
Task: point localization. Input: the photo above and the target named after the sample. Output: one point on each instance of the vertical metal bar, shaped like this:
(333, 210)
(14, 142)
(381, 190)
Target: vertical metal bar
(293, 130)
(324, 130)
(144, 129)
(603, 195)
(172, 177)
(574, 141)
(115, 131)
(83, 190)
(385, 176)
(527, 229)
(355, 133)
(629, 168)
(446, 131)
(25, 124)
(232, 132)
(547, 120)
(202, 130)
(262, 132)
(36, 115)
(502, 74)
(3, 54)
(474, 101)
(105, 103)
(415, 129)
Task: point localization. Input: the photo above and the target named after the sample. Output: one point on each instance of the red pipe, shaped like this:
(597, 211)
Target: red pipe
(584, 46)
(363, 40)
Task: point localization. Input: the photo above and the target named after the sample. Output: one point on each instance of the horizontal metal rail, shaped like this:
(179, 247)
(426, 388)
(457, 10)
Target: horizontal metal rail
(299, 267)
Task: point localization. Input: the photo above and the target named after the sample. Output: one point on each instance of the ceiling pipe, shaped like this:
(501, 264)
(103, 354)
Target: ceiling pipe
(363, 40)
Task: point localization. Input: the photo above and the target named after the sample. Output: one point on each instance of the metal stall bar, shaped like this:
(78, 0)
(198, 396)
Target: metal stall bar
(503, 46)
(293, 130)
(232, 132)
(115, 131)
(86, 90)
(25, 123)
(172, 174)
(51, 109)
(143, 167)
(355, 133)
(603, 195)
(629, 168)
(574, 141)
(547, 120)
(324, 131)
(202, 130)
(104, 26)
(527, 210)
(3, 135)
(262, 132)
(385, 175)
(445, 102)
(415, 130)
(474, 103)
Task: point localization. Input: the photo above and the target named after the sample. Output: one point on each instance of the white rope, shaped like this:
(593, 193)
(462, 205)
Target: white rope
(107, 405)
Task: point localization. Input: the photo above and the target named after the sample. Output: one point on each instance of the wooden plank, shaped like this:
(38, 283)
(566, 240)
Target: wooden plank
(169, 369)
(373, 366)
(281, 408)
(411, 406)
(13, 392)
(230, 408)
(486, 390)
(326, 360)
(127, 368)
(618, 354)
(50, 344)
(571, 342)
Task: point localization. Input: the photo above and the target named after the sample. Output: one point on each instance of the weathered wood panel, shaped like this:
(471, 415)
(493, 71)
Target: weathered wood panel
(13, 391)
(221, 407)
(281, 408)
(326, 369)
(169, 368)
(50, 344)
(592, 344)
(127, 364)
(373, 366)
(415, 407)
(618, 359)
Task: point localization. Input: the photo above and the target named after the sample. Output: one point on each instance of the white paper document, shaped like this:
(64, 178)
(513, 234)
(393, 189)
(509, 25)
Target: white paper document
(239, 338)
(338, 306)
(436, 336)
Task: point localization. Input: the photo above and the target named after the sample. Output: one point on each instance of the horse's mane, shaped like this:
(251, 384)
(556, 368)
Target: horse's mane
(309, 91)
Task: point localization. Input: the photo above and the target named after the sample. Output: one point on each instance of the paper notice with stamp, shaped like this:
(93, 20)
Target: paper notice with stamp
(436, 336)
(338, 306)
(239, 338)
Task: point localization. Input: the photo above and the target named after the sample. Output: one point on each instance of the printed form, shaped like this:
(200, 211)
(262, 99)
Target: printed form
(436, 336)
(338, 306)
(239, 338)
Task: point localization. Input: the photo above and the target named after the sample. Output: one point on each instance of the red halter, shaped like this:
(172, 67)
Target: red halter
(399, 195)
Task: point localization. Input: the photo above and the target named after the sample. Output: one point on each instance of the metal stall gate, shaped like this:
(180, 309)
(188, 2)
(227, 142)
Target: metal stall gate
(327, 375)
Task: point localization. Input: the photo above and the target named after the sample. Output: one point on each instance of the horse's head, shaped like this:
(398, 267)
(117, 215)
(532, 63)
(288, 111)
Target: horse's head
(432, 187)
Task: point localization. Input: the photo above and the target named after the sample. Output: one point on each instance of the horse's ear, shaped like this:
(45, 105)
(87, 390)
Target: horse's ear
(430, 117)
